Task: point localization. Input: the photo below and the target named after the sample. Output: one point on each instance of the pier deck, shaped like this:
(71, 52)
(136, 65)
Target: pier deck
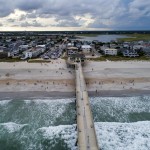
(86, 131)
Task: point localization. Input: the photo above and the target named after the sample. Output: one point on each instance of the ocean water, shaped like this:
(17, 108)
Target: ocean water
(121, 109)
(40, 124)
(49, 124)
(122, 123)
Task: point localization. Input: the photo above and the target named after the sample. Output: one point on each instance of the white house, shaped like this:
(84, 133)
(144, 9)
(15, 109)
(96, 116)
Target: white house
(28, 53)
(23, 47)
(43, 47)
(138, 46)
(86, 48)
(110, 51)
(70, 44)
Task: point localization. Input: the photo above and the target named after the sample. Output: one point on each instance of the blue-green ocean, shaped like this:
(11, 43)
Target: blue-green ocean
(122, 123)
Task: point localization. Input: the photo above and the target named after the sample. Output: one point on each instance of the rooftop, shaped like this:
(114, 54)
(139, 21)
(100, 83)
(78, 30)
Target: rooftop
(113, 49)
(72, 48)
(86, 46)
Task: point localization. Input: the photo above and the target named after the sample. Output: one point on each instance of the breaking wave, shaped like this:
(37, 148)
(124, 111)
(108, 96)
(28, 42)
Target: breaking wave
(123, 136)
(11, 126)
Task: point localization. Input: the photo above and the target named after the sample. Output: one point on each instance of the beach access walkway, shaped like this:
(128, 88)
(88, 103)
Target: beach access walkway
(86, 131)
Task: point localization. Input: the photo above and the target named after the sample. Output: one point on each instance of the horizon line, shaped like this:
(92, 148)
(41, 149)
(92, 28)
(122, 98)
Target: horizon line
(80, 31)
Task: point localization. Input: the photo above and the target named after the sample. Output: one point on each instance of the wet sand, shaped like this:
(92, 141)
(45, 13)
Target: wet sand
(34, 95)
(60, 95)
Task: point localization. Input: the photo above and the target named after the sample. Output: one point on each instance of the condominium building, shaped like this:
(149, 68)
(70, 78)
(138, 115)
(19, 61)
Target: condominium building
(110, 51)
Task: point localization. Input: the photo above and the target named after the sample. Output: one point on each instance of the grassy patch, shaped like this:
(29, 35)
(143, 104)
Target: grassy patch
(65, 57)
(11, 60)
(135, 37)
(38, 61)
(119, 58)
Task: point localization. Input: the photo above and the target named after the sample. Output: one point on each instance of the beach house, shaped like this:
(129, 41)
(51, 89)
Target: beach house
(4, 53)
(110, 51)
(86, 48)
(130, 53)
(72, 50)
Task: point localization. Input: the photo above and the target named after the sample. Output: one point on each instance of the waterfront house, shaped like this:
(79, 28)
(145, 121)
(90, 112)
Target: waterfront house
(130, 53)
(70, 45)
(110, 51)
(72, 50)
(146, 50)
(3, 54)
(86, 48)
(77, 58)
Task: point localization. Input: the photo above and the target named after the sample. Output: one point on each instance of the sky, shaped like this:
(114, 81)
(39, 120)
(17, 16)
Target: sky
(74, 15)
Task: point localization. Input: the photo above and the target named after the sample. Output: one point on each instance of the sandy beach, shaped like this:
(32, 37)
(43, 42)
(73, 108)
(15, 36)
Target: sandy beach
(132, 75)
(23, 76)
(101, 77)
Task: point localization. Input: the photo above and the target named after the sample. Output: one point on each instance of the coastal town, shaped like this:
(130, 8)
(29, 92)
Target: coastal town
(62, 46)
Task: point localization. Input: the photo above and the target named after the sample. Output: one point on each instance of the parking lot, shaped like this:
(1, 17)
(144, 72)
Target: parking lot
(54, 52)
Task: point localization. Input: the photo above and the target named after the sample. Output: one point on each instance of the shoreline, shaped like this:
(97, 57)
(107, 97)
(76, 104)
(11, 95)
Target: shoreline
(59, 95)
(35, 95)
(119, 93)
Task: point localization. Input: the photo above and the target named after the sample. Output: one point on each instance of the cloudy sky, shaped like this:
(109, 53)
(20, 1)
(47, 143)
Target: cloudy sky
(74, 15)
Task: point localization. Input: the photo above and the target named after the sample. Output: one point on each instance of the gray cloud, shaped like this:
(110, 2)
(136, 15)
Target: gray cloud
(11, 20)
(29, 5)
(6, 7)
(116, 14)
(67, 23)
(22, 17)
(28, 16)
(32, 24)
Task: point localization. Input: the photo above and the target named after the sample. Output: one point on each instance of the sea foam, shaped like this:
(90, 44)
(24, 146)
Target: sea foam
(4, 102)
(123, 136)
(120, 109)
(12, 127)
(65, 132)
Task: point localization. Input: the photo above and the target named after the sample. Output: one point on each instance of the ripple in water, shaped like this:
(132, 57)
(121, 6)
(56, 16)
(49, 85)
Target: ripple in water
(121, 109)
